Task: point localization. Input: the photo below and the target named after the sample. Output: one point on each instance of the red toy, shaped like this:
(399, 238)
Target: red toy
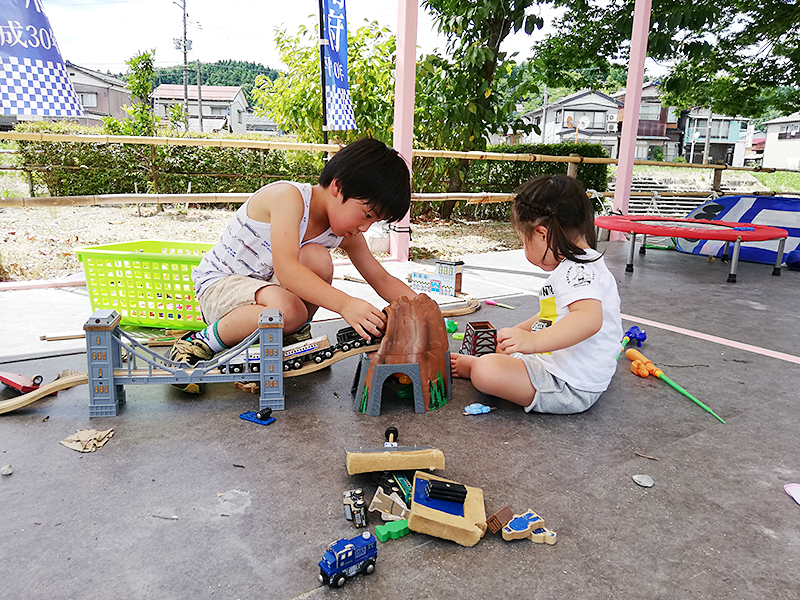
(21, 383)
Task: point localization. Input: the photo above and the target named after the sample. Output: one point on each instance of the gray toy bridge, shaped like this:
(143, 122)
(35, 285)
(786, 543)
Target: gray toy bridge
(107, 345)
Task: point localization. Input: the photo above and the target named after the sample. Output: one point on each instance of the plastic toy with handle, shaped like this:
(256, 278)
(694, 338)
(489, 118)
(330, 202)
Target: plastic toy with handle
(634, 333)
(642, 366)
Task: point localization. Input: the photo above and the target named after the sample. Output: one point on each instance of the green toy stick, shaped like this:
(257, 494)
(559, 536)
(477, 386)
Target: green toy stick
(643, 367)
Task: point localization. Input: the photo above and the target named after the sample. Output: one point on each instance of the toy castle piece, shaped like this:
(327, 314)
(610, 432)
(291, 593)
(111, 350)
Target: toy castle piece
(445, 280)
(479, 338)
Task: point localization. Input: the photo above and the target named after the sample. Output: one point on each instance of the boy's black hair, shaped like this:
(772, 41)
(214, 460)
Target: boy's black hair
(369, 170)
(559, 203)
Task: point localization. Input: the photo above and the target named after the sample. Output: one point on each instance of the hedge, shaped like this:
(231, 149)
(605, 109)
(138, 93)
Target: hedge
(131, 168)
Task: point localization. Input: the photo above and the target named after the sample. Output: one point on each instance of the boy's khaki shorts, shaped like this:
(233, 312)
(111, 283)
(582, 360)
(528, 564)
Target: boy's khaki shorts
(230, 292)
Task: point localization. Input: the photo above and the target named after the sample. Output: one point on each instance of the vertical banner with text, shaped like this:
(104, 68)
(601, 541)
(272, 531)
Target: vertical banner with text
(338, 105)
(33, 78)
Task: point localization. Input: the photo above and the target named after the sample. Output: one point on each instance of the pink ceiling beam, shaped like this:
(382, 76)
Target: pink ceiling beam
(404, 84)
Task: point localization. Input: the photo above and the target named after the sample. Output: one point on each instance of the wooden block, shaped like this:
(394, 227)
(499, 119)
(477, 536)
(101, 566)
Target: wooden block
(499, 519)
(521, 526)
(465, 530)
(251, 386)
(370, 460)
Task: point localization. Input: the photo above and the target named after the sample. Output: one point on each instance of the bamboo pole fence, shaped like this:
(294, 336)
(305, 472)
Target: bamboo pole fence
(470, 198)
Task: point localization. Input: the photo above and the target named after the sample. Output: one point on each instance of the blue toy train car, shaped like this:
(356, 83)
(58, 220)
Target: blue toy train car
(347, 557)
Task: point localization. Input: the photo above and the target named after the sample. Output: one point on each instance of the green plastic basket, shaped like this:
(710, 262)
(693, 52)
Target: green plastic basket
(148, 282)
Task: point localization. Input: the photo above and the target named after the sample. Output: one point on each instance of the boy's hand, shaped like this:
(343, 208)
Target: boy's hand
(514, 339)
(368, 321)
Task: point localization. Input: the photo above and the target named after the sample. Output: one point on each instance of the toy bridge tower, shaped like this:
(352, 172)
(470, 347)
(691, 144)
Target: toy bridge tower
(270, 330)
(105, 396)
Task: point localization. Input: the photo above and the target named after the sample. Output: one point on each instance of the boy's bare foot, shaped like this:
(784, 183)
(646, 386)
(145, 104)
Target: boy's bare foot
(461, 364)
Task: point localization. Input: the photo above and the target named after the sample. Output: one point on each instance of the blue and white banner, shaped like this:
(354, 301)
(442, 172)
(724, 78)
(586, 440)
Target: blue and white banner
(338, 105)
(33, 79)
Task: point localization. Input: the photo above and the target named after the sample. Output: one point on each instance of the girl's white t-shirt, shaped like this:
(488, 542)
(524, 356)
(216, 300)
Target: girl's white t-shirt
(588, 365)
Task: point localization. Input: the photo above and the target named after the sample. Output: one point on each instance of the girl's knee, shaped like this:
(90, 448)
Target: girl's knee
(318, 259)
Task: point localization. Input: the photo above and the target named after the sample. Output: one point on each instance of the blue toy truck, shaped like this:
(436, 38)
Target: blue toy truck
(347, 557)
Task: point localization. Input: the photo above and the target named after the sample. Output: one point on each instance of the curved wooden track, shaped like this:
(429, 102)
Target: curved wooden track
(61, 383)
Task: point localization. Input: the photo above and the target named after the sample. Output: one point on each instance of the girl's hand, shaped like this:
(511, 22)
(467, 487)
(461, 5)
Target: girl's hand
(514, 339)
(368, 321)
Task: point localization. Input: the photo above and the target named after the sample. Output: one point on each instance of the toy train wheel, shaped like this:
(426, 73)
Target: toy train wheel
(338, 580)
(296, 364)
(391, 434)
(328, 353)
(223, 368)
(264, 414)
(369, 567)
(319, 358)
(37, 380)
(236, 368)
(345, 347)
(255, 368)
(358, 344)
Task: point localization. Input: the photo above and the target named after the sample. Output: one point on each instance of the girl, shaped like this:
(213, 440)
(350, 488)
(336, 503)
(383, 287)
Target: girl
(561, 359)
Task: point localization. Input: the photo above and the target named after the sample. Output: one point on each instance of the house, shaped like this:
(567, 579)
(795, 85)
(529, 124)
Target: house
(728, 137)
(659, 134)
(100, 94)
(255, 124)
(782, 144)
(224, 106)
(585, 116)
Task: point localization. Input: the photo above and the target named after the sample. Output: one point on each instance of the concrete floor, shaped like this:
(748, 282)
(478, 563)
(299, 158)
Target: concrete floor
(256, 506)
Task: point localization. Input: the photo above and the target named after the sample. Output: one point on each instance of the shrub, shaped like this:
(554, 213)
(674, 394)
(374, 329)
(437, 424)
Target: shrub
(128, 168)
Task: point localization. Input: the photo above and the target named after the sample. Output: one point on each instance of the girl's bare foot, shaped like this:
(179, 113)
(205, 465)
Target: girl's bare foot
(461, 364)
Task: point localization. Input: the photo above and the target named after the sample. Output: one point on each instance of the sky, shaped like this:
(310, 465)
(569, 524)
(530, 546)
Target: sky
(103, 34)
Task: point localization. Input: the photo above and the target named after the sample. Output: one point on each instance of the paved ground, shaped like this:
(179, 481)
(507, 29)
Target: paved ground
(256, 506)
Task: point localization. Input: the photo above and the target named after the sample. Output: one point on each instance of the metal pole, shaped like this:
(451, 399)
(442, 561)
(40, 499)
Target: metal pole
(185, 72)
(323, 41)
(708, 139)
(199, 98)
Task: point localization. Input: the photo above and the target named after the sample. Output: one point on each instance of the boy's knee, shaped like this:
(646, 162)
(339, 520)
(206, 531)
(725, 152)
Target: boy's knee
(318, 259)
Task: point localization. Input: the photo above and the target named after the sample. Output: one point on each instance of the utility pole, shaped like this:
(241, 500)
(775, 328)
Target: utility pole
(199, 97)
(184, 44)
(707, 146)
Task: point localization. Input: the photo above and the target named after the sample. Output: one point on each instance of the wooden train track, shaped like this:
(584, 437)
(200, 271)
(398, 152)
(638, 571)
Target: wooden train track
(61, 383)
(69, 381)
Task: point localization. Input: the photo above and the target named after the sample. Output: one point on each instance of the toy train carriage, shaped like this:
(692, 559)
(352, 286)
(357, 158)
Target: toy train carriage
(316, 349)
(347, 557)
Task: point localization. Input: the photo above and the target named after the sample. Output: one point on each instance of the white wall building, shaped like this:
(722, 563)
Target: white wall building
(224, 107)
(782, 146)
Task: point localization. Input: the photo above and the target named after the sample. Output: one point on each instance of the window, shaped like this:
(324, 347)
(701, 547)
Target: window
(720, 129)
(789, 132)
(88, 99)
(558, 116)
(649, 112)
(673, 114)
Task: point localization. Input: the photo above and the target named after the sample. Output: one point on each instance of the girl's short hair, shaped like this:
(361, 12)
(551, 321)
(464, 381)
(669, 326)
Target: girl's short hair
(560, 204)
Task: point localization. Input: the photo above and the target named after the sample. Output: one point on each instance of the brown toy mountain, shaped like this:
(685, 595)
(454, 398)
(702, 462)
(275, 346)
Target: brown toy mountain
(415, 333)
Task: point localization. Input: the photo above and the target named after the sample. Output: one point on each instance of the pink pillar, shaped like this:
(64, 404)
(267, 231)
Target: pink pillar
(404, 84)
(633, 98)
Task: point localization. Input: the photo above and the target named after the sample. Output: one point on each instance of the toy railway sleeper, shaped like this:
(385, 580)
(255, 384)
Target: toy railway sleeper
(316, 350)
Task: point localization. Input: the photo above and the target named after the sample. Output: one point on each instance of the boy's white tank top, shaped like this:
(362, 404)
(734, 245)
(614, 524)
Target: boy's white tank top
(244, 247)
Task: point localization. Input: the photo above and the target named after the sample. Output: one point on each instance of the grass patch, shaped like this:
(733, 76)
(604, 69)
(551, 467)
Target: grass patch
(779, 181)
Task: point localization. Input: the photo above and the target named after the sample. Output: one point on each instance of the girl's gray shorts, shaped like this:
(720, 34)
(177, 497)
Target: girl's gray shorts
(554, 395)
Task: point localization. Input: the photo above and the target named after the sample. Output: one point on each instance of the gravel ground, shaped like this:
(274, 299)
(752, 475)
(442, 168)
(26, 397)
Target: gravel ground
(40, 243)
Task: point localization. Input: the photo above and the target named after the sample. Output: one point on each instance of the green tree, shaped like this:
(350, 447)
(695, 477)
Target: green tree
(222, 72)
(734, 56)
(294, 99)
(140, 120)
(467, 92)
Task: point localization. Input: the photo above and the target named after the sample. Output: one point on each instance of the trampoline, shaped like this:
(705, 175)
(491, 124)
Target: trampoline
(695, 229)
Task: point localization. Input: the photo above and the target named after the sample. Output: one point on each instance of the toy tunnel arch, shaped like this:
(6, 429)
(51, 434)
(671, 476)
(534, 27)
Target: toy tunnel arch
(367, 395)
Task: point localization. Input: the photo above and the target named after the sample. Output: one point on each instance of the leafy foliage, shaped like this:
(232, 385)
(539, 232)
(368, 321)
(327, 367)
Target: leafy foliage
(736, 57)
(294, 100)
(128, 168)
(141, 120)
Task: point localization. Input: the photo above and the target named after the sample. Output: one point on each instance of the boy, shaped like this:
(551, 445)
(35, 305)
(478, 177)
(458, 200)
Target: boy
(274, 253)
